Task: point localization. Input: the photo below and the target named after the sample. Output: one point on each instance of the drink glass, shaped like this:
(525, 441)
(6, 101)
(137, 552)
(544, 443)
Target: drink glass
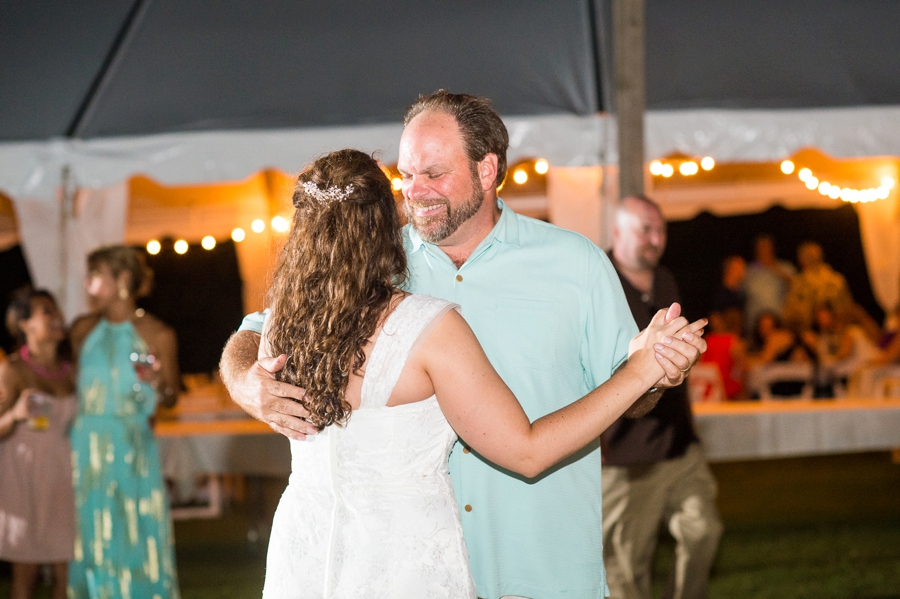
(143, 362)
(38, 412)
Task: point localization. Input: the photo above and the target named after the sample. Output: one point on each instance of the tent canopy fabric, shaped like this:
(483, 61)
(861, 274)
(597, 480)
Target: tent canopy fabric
(102, 68)
(206, 92)
(158, 66)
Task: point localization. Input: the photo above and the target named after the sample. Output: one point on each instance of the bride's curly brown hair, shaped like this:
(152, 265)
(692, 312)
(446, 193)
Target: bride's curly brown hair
(339, 269)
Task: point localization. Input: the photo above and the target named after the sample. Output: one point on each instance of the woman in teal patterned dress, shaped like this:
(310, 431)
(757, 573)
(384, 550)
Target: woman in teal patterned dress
(126, 365)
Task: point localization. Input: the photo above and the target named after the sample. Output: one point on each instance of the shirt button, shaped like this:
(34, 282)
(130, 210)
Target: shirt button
(468, 508)
(465, 449)
(459, 278)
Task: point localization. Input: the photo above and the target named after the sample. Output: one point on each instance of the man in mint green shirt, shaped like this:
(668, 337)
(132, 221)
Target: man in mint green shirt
(548, 309)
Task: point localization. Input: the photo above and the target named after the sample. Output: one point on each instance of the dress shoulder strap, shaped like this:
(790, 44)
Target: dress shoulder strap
(412, 320)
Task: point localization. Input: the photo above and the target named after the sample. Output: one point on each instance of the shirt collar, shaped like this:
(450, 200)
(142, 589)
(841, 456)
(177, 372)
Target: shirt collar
(505, 231)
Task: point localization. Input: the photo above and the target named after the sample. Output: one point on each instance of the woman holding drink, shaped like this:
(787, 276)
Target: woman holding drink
(37, 404)
(127, 364)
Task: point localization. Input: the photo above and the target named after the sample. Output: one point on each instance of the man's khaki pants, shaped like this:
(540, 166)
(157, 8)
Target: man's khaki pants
(636, 500)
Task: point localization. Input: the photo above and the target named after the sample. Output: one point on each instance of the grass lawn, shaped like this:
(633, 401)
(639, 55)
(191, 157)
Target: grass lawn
(816, 528)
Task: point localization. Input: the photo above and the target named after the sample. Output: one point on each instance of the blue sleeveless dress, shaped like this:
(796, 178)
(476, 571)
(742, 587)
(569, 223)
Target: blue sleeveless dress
(124, 546)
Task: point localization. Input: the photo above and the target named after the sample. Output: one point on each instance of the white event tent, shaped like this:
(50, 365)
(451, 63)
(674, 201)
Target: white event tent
(190, 94)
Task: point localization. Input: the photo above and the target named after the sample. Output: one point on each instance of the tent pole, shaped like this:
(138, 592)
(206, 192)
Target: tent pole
(630, 92)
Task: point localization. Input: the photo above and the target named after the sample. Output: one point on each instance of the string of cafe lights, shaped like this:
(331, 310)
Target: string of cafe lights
(845, 194)
(280, 224)
(687, 168)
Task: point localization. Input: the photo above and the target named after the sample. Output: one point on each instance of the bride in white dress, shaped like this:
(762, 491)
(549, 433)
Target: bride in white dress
(392, 378)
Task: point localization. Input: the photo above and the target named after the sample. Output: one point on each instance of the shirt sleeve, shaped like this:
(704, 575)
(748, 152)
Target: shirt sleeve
(609, 325)
(254, 321)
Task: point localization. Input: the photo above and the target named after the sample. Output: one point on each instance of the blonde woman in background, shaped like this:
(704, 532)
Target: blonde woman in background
(127, 365)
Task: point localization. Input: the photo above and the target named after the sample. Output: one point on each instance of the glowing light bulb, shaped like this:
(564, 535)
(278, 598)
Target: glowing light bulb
(181, 246)
(804, 174)
(883, 192)
(208, 242)
(396, 183)
(258, 226)
(238, 234)
(688, 168)
(787, 167)
(667, 170)
(153, 247)
(541, 167)
(824, 188)
(811, 182)
(835, 192)
(656, 168)
(707, 163)
(887, 182)
(520, 176)
(280, 224)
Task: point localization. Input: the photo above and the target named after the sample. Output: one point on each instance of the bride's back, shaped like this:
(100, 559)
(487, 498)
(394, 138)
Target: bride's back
(370, 505)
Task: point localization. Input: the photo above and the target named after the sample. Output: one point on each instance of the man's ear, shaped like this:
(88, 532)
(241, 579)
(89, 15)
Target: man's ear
(487, 171)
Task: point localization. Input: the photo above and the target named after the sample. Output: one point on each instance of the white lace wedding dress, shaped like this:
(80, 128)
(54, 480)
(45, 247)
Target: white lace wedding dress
(369, 511)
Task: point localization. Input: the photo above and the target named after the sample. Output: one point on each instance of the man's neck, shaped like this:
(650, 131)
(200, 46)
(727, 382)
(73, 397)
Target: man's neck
(640, 278)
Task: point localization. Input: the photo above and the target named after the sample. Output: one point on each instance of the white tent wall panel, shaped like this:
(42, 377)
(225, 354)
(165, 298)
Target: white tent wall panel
(767, 135)
(879, 224)
(575, 202)
(56, 246)
(33, 169)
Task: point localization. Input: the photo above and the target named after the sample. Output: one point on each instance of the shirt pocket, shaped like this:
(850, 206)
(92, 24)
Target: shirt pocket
(529, 332)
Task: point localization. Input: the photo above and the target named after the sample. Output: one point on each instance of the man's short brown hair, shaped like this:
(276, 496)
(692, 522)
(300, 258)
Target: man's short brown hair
(482, 128)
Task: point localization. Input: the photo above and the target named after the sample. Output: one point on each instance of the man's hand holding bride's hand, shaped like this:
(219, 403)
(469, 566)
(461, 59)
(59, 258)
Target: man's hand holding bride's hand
(280, 405)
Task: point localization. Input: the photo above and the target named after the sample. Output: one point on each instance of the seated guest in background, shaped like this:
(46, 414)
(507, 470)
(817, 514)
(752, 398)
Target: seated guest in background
(815, 285)
(890, 354)
(37, 404)
(127, 364)
(841, 348)
(773, 343)
(730, 295)
(726, 349)
(767, 282)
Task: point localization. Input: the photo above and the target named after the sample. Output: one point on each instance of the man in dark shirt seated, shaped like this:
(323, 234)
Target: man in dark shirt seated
(654, 470)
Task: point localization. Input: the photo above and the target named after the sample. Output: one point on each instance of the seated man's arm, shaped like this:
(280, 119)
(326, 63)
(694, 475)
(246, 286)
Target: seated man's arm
(252, 385)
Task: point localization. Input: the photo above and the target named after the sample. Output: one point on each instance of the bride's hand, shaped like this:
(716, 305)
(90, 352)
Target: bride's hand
(676, 345)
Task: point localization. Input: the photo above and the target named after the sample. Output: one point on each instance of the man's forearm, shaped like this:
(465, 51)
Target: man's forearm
(238, 357)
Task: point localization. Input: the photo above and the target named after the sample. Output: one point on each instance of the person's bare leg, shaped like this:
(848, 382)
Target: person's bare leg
(23, 581)
(60, 580)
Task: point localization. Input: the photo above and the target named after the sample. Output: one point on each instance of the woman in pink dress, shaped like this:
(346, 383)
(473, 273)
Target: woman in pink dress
(37, 404)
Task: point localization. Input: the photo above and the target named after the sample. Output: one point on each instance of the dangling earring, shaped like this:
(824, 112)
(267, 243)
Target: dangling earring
(123, 292)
